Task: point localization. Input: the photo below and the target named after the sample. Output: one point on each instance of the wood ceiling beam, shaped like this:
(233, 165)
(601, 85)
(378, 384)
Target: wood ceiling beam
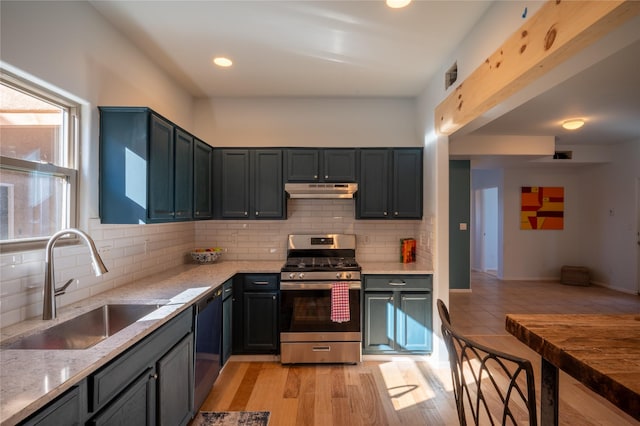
(559, 30)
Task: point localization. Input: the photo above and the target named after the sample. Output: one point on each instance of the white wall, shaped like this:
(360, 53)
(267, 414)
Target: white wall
(539, 254)
(70, 48)
(613, 209)
(312, 122)
(600, 219)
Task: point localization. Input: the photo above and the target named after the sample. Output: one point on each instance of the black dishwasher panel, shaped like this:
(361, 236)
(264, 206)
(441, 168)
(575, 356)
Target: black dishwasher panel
(208, 345)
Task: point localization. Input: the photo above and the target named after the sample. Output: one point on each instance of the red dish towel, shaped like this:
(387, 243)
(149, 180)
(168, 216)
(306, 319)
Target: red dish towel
(340, 302)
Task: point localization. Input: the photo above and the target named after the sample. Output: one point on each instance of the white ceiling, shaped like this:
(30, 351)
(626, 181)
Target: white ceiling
(363, 48)
(296, 48)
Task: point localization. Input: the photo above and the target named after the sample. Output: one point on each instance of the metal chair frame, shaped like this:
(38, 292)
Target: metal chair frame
(484, 363)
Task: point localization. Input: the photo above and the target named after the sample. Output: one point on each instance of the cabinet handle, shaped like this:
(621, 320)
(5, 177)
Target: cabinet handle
(246, 214)
(321, 349)
(315, 176)
(153, 376)
(261, 282)
(385, 213)
(273, 297)
(197, 213)
(257, 213)
(397, 283)
(395, 213)
(326, 176)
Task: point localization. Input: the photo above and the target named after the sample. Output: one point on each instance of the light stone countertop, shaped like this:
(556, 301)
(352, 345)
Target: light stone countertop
(30, 379)
(390, 268)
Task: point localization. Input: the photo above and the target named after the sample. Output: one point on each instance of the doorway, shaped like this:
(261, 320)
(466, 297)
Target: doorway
(486, 235)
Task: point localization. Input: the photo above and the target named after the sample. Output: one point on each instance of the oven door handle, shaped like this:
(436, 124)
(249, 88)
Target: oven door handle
(315, 285)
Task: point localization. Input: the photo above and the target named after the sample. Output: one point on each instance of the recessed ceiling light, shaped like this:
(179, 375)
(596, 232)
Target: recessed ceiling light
(573, 124)
(221, 61)
(397, 4)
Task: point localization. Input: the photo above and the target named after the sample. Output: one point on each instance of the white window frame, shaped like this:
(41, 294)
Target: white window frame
(68, 172)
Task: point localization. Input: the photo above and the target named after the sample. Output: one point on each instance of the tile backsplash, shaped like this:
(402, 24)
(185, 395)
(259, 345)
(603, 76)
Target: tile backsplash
(377, 240)
(131, 252)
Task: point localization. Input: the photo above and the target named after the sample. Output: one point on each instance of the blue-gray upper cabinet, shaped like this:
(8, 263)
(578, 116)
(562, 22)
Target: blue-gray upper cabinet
(202, 180)
(321, 165)
(389, 184)
(249, 184)
(183, 175)
(146, 167)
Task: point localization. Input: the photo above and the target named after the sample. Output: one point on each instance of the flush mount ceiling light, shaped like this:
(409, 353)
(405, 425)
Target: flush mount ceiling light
(397, 4)
(223, 62)
(573, 124)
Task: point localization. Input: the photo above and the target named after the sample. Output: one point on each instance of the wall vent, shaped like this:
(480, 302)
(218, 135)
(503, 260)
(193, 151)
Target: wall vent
(563, 155)
(451, 75)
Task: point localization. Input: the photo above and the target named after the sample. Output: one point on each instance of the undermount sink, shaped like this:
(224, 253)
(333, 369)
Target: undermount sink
(85, 330)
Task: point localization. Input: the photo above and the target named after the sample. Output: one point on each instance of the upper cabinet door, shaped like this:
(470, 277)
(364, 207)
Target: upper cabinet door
(161, 170)
(183, 176)
(339, 165)
(202, 180)
(234, 190)
(321, 165)
(407, 183)
(303, 165)
(390, 184)
(372, 199)
(268, 188)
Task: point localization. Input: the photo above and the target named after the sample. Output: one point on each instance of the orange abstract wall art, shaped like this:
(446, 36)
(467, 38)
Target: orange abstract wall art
(542, 207)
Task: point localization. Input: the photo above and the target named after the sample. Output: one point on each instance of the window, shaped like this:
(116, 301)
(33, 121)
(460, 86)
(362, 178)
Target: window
(38, 170)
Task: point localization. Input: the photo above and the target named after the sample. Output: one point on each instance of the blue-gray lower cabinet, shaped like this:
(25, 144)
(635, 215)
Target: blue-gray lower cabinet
(255, 314)
(150, 384)
(227, 320)
(135, 406)
(68, 409)
(176, 384)
(397, 314)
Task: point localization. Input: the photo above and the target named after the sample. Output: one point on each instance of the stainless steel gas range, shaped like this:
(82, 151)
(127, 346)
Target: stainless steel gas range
(315, 265)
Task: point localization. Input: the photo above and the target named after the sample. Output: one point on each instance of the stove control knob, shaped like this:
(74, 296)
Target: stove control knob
(292, 275)
(301, 275)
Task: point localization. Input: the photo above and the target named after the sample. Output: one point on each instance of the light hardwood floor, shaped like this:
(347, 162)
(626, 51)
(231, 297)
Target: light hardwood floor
(409, 392)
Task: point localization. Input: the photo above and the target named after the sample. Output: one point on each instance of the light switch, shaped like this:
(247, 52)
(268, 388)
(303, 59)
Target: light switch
(463, 226)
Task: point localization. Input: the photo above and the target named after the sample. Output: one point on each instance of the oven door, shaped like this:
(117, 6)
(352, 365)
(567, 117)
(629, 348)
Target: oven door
(305, 307)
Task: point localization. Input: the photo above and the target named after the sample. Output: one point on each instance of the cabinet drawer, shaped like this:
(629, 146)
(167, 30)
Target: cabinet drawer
(398, 282)
(64, 410)
(114, 377)
(134, 406)
(260, 282)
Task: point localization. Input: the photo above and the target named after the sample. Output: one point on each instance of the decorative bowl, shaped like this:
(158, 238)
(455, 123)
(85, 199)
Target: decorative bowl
(208, 255)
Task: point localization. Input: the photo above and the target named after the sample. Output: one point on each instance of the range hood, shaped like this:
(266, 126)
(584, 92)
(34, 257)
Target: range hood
(321, 190)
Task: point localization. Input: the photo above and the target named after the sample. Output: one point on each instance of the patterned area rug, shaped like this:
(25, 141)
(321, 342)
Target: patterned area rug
(231, 418)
